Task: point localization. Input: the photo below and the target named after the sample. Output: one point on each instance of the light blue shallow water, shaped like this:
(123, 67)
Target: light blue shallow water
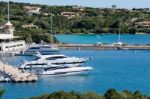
(118, 69)
(104, 38)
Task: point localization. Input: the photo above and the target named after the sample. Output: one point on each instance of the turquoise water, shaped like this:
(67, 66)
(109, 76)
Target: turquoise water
(128, 69)
(104, 38)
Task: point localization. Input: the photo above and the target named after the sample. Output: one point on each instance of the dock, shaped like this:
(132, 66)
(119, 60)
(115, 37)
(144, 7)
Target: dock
(16, 75)
(103, 47)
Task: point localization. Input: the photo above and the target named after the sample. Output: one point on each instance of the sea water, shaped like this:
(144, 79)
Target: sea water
(104, 38)
(119, 69)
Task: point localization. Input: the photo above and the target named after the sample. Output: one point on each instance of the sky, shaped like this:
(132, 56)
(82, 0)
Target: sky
(92, 3)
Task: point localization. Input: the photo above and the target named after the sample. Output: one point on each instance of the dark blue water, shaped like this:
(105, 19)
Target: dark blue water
(128, 69)
(104, 38)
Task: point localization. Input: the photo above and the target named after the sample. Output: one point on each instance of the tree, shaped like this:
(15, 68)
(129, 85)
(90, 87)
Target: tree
(112, 94)
(132, 30)
(2, 91)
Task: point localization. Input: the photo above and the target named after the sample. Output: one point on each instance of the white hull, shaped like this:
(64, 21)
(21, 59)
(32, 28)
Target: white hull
(68, 74)
(67, 71)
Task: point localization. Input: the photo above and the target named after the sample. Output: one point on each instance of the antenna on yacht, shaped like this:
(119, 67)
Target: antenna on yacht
(8, 11)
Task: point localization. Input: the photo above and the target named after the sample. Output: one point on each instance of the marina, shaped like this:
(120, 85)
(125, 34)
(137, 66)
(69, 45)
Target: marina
(45, 56)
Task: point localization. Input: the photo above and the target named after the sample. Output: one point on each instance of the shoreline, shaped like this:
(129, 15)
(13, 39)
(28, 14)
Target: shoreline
(100, 34)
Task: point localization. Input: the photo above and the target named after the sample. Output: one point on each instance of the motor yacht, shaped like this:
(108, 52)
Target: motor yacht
(44, 49)
(44, 69)
(65, 70)
(60, 59)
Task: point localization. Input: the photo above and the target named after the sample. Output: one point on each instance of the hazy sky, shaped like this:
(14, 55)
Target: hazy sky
(93, 3)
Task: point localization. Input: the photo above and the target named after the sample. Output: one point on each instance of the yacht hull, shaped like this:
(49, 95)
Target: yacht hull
(67, 71)
(71, 73)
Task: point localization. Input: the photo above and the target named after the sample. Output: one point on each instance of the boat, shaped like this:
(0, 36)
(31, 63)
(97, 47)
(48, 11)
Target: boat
(60, 59)
(4, 79)
(51, 70)
(43, 69)
(8, 42)
(44, 49)
(119, 43)
(65, 70)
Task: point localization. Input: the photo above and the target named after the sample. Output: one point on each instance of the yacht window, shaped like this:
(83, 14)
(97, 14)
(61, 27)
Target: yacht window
(36, 64)
(0, 49)
(54, 68)
(35, 48)
(57, 57)
(46, 46)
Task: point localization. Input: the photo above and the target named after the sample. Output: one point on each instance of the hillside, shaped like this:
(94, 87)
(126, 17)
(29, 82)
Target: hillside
(34, 21)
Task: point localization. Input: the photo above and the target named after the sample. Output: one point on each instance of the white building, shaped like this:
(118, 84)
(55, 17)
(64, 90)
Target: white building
(32, 10)
(70, 15)
(79, 8)
(9, 42)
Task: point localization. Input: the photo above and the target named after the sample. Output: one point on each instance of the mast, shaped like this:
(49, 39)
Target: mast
(119, 38)
(8, 11)
(51, 28)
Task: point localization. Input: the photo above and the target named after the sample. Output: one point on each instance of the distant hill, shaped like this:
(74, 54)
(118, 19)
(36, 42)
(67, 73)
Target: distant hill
(31, 20)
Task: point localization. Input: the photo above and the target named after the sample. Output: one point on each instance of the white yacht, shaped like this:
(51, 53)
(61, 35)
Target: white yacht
(44, 69)
(9, 42)
(60, 59)
(118, 44)
(65, 70)
(44, 49)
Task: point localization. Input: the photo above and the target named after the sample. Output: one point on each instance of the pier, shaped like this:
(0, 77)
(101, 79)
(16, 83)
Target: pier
(104, 47)
(16, 75)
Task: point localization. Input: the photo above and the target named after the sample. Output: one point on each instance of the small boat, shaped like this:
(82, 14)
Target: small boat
(60, 59)
(44, 49)
(118, 44)
(4, 79)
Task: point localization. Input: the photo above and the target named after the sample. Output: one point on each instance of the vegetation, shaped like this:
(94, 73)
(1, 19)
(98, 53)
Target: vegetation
(90, 20)
(110, 94)
(2, 91)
